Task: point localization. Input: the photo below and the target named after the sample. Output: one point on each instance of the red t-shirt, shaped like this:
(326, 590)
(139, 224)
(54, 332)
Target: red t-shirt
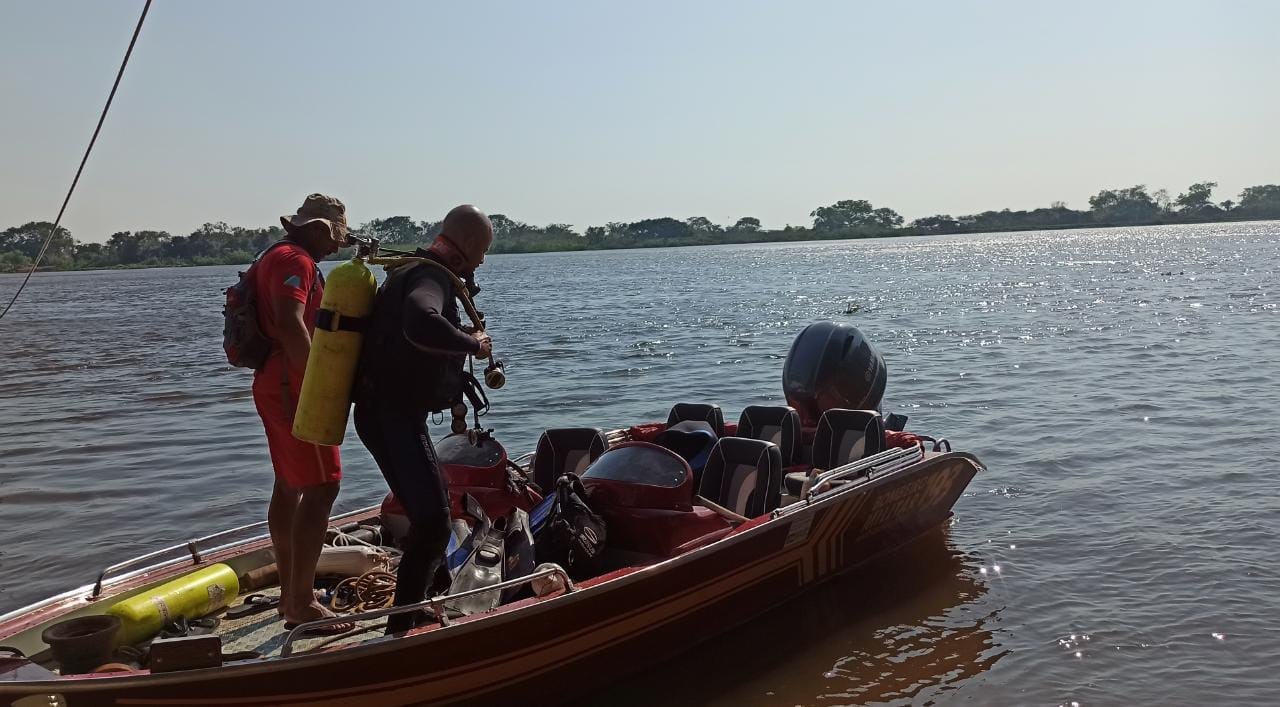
(289, 272)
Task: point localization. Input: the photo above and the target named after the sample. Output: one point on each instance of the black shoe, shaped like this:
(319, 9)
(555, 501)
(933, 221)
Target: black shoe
(399, 623)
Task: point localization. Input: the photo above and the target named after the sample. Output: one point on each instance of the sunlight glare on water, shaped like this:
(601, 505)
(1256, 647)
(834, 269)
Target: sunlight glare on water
(1119, 384)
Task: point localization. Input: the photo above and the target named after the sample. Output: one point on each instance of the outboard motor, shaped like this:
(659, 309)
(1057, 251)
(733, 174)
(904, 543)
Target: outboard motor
(832, 365)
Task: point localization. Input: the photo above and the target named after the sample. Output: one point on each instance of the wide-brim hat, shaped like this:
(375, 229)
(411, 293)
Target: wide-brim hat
(318, 207)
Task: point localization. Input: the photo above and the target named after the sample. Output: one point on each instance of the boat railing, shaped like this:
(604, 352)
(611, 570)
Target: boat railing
(436, 605)
(194, 547)
(878, 464)
(868, 465)
(616, 437)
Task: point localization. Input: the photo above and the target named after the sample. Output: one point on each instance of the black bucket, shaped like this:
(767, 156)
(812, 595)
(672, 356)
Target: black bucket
(82, 644)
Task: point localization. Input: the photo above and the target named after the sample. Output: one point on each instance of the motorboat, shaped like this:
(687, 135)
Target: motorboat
(705, 524)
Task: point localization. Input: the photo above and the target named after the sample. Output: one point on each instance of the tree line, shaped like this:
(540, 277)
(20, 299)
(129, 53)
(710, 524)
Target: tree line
(220, 243)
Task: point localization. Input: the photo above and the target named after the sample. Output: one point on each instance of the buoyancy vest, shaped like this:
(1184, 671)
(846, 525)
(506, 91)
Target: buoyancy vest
(394, 372)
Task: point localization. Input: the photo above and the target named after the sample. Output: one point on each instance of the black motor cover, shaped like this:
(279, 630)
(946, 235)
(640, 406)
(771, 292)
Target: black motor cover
(832, 365)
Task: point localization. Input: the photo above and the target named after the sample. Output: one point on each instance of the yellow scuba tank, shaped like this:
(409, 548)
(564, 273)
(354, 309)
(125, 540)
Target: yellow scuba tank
(325, 400)
(191, 596)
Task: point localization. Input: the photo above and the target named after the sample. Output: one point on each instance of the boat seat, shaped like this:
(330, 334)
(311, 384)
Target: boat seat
(698, 412)
(743, 475)
(693, 445)
(694, 426)
(779, 424)
(566, 450)
(842, 436)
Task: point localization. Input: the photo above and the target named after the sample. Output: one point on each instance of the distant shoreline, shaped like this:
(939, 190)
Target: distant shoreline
(794, 235)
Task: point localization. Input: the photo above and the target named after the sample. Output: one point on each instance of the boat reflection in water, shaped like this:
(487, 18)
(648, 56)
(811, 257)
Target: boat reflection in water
(907, 628)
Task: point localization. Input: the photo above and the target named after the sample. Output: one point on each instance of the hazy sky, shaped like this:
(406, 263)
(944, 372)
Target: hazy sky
(586, 112)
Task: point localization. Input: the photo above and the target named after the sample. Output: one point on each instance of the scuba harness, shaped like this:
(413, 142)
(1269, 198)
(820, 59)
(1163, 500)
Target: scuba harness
(345, 317)
(464, 291)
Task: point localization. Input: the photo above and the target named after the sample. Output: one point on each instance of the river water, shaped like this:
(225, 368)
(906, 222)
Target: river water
(1119, 384)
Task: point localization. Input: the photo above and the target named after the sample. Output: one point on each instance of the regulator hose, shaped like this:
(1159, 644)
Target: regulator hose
(464, 294)
(495, 375)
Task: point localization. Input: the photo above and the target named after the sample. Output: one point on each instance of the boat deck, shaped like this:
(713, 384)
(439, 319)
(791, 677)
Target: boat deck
(264, 633)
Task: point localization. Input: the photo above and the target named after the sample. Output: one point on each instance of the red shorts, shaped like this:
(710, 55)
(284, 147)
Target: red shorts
(298, 464)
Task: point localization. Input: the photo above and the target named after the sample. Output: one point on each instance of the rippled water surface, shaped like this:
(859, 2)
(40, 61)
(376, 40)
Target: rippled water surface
(1119, 384)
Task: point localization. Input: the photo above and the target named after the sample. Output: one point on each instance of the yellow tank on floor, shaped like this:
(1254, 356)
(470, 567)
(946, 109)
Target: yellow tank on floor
(325, 401)
(191, 596)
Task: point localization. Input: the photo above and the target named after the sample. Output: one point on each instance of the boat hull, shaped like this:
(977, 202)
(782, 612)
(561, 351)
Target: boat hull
(558, 647)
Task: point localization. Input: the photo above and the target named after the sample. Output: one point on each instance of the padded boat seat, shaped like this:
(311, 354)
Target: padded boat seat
(564, 450)
(779, 424)
(693, 446)
(842, 436)
(698, 412)
(743, 475)
(845, 436)
(695, 426)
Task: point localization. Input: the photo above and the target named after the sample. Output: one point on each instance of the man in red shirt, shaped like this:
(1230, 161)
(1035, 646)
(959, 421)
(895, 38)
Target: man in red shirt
(289, 287)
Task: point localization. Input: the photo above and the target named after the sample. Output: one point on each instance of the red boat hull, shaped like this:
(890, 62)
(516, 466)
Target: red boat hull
(548, 650)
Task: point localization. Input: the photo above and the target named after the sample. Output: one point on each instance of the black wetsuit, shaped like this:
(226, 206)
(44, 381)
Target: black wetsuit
(411, 366)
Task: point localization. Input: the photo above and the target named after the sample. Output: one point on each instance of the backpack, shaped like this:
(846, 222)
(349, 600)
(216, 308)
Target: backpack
(567, 532)
(242, 339)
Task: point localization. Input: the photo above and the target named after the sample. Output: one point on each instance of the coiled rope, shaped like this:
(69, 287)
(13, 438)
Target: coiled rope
(368, 592)
(83, 160)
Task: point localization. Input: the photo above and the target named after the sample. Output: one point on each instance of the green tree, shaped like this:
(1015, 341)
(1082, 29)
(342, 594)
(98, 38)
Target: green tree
(256, 238)
(13, 261)
(942, 223)
(28, 238)
(701, 225)
(396, 230)
(887, 218)
(560, 230)
(746, 224)
(93, 255)
(136, 247)
(504, 226)
(665, 228)
(1261, 201)
(851, 214)
(1131, 205)
(1163, 202)
(1196, 198)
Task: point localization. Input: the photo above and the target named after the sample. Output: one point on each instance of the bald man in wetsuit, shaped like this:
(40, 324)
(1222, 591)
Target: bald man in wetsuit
(411, 366)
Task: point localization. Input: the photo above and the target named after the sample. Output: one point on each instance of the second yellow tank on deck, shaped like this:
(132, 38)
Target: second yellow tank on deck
(189, 597)
(325, 401)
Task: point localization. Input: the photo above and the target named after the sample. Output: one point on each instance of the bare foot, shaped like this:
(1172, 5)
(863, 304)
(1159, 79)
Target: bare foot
(319, 596)
(314, 612)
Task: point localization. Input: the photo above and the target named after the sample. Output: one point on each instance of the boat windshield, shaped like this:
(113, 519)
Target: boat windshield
(641, 464)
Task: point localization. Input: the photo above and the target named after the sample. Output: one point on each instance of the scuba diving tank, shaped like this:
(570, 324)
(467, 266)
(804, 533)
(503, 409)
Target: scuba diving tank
(190, 596)
(325, 400)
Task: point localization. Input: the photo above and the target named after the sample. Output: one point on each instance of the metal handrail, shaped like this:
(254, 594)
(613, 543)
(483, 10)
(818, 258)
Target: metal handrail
(615, 437)
(882, 463)
(193, 548)
(435, 604)
(862, 464)
(879, 471)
